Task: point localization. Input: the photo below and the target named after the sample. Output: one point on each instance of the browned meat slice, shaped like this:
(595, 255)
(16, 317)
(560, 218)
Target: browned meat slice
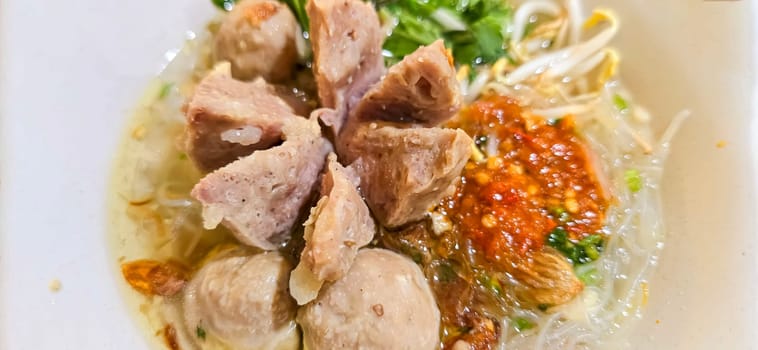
(241, 302)
(404, 172)
(420, 89)
(151, 277)
(260, 196)
(228, 119)
(339, 225)
(383, 302)
(258, 38)
(347, 51)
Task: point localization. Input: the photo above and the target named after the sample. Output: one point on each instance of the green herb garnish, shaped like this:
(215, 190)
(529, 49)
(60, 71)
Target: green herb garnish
(200, 332)
(620, 103)
(477, 31)
(586, 250)
(522, 324)
(587, 274)
(298, 8)
(633, 180)
(554, 122)
(446, 273)
(491, 283)
(165, 90)
(560, 213)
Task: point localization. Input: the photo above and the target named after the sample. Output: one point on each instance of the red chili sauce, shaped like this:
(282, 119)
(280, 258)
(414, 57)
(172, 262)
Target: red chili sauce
(540, 178)
(506, 205)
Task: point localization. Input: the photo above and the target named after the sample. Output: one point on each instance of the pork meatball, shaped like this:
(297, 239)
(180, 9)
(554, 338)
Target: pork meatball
(383, 302)
(242, 303)
(258, 38)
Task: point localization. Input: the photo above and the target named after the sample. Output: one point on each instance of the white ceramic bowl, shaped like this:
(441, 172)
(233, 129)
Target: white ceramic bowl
(70, 72)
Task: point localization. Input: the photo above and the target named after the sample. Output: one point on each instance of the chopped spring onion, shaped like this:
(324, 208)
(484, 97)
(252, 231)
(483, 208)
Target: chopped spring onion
(165, 90)
(586, 250)
(446, 273)
(522, 324)
(633, 180)
(491, 283)
(298, 8)
(588, 274)
(560, 213)
(620, 103)
(200, 332)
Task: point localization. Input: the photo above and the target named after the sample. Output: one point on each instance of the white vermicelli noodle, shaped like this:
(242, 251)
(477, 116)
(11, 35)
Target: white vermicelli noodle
(576, 76)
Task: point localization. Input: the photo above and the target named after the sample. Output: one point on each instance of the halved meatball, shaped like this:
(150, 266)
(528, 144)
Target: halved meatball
(347, 52)
(404, 172)
(420, 89)
(384, 302)
(258, 38)
(228, 119)
(259, 197)
(242, 303)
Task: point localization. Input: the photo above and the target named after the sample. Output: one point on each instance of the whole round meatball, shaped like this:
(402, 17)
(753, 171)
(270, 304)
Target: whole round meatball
(383, 302)
(258, 39)
(242, 303)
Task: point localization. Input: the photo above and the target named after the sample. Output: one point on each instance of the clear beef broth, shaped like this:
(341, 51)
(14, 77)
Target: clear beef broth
(155, 222)
(470, 308)
(472, 293)
(511, 257)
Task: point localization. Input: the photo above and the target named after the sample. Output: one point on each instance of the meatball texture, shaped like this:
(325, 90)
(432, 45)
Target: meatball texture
(258, 39)
(383, 302)
(243, 303)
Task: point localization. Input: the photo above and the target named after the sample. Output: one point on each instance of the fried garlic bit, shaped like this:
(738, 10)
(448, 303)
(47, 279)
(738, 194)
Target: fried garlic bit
(55, 285)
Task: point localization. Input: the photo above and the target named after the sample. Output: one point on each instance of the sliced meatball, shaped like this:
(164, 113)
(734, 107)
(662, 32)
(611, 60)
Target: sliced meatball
(384, 302)
(420, 89)
(228, 119)
(259, 197)
(338, 226)
(258, 38)
(347, 51)
(242, 303)
(404, 172)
